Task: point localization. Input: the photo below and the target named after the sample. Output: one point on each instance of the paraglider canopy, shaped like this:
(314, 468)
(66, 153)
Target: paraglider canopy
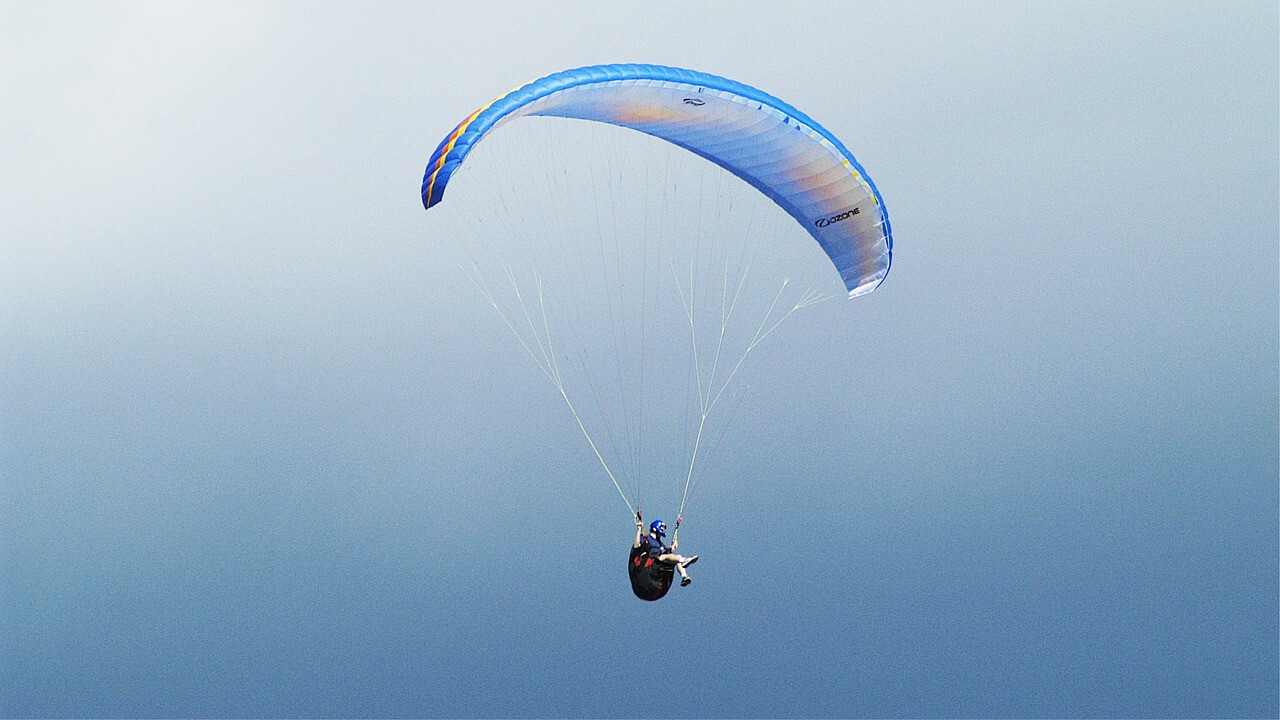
(771, 145)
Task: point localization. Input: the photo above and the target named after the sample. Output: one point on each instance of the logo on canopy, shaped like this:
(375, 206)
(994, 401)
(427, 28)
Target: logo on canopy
(823, 222)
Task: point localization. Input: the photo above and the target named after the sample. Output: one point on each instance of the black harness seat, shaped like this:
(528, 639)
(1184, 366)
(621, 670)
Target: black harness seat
(650, 579)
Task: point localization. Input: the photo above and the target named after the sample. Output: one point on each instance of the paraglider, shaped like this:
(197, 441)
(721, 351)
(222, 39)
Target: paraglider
(652, 563)
(640, 277)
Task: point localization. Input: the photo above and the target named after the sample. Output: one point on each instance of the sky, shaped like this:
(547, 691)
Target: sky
(264, 452)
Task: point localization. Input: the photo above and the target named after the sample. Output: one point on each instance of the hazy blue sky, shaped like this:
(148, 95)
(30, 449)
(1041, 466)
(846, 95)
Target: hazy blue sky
(264, 452)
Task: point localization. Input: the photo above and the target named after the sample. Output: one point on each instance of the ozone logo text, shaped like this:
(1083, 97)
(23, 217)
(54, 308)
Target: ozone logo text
(823, 222)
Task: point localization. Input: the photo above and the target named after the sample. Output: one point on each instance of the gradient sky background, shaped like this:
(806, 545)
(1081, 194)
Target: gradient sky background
(264, 452)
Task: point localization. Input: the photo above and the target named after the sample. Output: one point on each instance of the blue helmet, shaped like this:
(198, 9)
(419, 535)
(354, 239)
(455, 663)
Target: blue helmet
(659, 528)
